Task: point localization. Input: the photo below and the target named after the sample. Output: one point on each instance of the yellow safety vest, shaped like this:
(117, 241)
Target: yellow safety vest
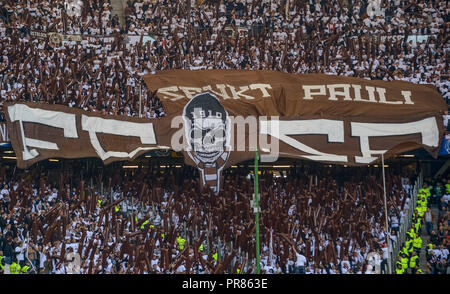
(405, 250)
(201, 247)
(99, 203)
(447, 188)
(116, 208)
(424, 202)
(417, 242)
(144, 223)
(25, 269)
(1, 262)
(215, 256)
(413, 261)
(422, 213)
(181, 242)
(15, 268)
(417, 226)
(408, 243)
(399, 271)
(404, 262)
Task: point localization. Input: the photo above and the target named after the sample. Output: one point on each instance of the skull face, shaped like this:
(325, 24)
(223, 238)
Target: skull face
(206, 127)
(208, 138)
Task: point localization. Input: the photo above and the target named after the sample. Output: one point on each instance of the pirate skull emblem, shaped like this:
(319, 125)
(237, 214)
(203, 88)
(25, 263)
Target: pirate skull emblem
(207, 127)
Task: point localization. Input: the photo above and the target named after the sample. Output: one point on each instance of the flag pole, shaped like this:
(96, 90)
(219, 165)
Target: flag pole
(140, 100)
(386, 226)
(258, 263)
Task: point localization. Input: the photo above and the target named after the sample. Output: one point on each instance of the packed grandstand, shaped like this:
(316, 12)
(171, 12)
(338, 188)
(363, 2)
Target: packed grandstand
(153, 215)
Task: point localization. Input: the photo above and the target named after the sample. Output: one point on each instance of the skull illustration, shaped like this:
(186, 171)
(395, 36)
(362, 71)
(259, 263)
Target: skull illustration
(207, 127)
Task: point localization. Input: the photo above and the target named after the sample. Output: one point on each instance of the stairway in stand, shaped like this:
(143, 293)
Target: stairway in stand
(117, 9)
(425, 238)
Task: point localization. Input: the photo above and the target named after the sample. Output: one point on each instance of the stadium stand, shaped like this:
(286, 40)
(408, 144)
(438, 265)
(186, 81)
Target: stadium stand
(154, 222)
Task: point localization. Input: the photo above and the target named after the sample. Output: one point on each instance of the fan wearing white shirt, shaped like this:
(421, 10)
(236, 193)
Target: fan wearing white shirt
(300, 262)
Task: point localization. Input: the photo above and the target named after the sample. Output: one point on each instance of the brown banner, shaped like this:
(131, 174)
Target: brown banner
(219, 117)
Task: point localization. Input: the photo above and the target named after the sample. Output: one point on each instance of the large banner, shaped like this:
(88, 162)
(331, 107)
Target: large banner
(220, 117)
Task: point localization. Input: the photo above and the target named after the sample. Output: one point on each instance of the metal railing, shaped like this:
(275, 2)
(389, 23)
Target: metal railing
(407, 219)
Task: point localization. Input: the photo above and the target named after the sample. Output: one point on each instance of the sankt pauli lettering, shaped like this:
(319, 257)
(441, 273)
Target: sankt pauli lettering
(332, 92)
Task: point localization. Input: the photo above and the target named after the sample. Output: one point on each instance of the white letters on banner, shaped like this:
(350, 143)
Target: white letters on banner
(283, 130)
(57, 119)
(95, 125)
(427, 128)
(4, 136)
(280, 129)
(218, 89)
(336, 92)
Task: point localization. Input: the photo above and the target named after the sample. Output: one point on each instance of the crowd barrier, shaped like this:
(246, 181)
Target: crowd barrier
(407, 220)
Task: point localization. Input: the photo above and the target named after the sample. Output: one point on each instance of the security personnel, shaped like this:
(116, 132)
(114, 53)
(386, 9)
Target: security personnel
(1, 263)
(409, 244)
(215, 256)
(417, 226)
(200, 248)
(419, 199)
(411, 233)
(419, 203)
(411, 248)
(144, 224)
(15, 268)
(413, 262)
(417, 244)
(447, 187)
(99, 201)
(418, 270)
(422, 191)
(399, 270)
(25, 269)
(117, 208)
(404, 250)
(404, 259)
(181, 242)
(422, 211)
(424, 200)
(428, 192)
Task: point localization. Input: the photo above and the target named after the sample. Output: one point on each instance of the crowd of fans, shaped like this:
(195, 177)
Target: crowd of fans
(438, 246)
(313, 221)
(333, 37)
(403, 41)
(96, 73)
